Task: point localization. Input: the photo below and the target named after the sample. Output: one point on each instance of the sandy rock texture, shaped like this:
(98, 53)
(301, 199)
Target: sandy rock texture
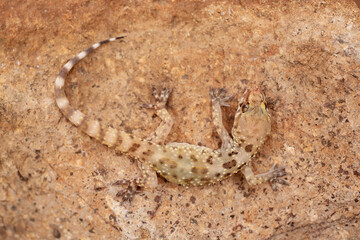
(55, 182)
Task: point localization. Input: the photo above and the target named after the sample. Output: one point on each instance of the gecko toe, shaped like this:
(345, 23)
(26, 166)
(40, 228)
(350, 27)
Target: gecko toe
(279, 181)
(161, 98)
(219, 95)
(277, 171)
(127, 194)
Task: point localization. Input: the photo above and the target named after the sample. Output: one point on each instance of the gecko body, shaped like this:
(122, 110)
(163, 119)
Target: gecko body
(183, 163)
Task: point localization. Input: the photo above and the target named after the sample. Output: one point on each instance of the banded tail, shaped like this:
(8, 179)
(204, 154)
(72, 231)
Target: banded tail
(109, 136)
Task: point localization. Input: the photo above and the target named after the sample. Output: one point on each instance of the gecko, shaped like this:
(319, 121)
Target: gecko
(182, 163)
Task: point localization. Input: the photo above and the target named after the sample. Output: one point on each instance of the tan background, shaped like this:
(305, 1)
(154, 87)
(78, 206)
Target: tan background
(54, 179)
(358, 3)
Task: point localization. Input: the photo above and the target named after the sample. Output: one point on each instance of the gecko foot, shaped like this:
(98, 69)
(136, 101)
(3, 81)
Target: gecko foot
(276, 172)
(129, 192)
(218, 95)
(160, 98)
(271, 176)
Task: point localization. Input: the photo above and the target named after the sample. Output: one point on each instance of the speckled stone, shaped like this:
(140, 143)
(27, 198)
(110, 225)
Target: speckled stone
(55, 182)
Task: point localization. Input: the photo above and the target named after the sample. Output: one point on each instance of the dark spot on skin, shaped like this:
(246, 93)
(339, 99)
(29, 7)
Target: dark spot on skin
(230, 164)
(84, 125)
(232, 153)
(134, 147)
(164, 174)
(180, 156)
(104, 41)
(162, 161)
(220, 155)
(174, 176)
(131, 136)
(148, 152)
(69, 111)
(192, 199)
(188, 180)
(193, 158)
(204, 171)
(102, 134)
(150, 143)
(205, 180)
(194, 170)
(164, 150)
(218, 175)
(173, 165)
(248, 148)
(209, 160)
(228, 174)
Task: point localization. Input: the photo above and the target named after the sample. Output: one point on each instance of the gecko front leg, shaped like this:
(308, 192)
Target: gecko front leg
(218, 99)
(271, 176)
(160, 134)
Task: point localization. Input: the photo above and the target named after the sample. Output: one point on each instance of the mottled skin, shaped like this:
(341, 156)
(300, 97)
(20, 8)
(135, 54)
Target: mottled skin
(183, 163)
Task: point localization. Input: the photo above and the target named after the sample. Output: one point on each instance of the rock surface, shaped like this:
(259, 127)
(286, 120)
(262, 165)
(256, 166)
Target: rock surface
(55, 181)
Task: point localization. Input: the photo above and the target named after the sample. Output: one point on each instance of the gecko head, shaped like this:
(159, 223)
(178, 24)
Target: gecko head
(252, 120)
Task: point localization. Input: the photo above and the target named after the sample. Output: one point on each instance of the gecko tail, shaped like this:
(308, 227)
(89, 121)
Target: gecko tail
(106, 135)
(60, 80)
(74, 115)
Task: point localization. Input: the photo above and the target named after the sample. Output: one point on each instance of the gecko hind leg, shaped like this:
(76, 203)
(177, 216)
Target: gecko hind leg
(149, 177)
(272, 176)
(131, 189)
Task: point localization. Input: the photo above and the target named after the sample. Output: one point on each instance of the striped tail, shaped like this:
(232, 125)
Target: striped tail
(109, 136)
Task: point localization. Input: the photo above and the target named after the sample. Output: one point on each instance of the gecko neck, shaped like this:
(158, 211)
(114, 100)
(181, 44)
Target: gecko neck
(241, 149)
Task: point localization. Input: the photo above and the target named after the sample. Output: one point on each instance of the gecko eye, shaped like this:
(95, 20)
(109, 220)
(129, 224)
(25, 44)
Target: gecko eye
(245, 107)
